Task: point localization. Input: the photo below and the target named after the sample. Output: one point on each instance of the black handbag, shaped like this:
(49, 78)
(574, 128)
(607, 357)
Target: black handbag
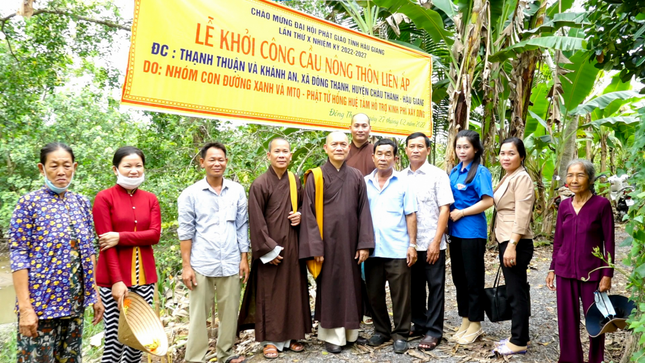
(496, 303)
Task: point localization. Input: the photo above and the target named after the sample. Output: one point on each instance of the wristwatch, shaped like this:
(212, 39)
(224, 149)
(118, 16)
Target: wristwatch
(413, 245)
(511, 242)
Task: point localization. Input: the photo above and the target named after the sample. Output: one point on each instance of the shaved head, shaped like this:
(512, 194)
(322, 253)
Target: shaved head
(337, 148)
(337, 136)
(273, 141)
(360, 128)
(279, 155)
(360, 117)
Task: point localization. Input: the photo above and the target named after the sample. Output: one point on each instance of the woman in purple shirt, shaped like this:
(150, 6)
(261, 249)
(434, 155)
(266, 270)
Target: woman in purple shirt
(584, 222)
(53, 261)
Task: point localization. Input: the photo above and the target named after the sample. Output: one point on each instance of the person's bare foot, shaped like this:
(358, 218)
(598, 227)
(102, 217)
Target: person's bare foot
(429, 343)
(270, 351)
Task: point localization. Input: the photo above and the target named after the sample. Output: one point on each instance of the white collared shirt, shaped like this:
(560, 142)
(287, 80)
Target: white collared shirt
(431, 186)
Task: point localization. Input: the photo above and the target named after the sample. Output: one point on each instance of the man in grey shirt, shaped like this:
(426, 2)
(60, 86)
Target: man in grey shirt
(213, 223)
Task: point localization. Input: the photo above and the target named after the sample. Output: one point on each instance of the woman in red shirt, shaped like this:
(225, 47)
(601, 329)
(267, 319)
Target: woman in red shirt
(128, 223)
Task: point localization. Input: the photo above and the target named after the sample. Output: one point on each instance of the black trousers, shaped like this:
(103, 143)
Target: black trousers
(367, 308)
(397, 273)
(467, 260)
(427, 315)
(517, 289)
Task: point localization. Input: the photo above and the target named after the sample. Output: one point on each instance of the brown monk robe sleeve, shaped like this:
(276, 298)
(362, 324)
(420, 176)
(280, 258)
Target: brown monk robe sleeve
(261, 242)
(365, 226)
(311, 244)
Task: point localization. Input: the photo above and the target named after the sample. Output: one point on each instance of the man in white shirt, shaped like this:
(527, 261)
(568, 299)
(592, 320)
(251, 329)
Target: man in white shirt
(431, 186)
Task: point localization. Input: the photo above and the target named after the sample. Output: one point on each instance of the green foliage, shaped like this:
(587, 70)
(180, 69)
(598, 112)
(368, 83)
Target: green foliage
(8, 345)
(366, 18)
(616, 33)
(601, 102)
(636, 256)
(580, 82)
(549, 42)
(37, 53)
(560, 20)
(426, 19)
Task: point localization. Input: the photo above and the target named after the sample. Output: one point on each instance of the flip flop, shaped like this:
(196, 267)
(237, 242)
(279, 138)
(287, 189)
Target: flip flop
(270, 351)
(504, 350)
(234, 357)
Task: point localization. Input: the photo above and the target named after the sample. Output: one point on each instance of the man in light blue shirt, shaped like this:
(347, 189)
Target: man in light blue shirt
(213, 230)
(393, 207)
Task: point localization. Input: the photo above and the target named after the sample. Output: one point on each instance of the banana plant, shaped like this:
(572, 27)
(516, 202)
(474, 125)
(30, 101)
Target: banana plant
(486, 42)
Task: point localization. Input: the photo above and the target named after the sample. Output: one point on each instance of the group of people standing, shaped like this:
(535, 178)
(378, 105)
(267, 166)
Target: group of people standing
(361, 222)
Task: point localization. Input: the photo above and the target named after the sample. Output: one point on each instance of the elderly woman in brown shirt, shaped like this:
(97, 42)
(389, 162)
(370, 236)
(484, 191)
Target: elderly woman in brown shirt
(514, 197)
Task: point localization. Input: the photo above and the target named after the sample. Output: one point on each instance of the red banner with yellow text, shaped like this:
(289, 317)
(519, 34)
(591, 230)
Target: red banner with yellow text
(261, 62)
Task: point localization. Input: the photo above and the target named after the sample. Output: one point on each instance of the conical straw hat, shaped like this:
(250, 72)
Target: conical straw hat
(139, 326)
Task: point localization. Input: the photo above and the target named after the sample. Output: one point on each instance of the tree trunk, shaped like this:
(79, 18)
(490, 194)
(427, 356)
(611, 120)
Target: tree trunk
(603, 152)
(465, 51)
(490, 84)
(569, 150)
(489, 124)
(524, 73)
(612, 160)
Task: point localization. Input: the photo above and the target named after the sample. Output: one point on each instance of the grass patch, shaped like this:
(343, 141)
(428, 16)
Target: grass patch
(8, 343)
(91, 354)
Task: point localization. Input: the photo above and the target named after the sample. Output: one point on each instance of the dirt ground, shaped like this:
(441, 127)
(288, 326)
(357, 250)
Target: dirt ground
(544, 346)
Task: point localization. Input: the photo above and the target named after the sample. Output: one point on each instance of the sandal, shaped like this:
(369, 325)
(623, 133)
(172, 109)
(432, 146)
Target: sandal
(467, 339)
(506, 340)
(270, 351)
(504, 350)
(296, 346)
(457, 336)
(367, 320)
(234, 357)
(429, 343)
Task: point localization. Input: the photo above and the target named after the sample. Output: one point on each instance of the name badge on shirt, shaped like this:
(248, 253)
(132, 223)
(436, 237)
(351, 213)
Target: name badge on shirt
(461, 186)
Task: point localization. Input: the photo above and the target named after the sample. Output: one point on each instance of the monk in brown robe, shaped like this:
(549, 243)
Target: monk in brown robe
(361, 150)
(276, 299)
(360, 157)
(348, 238)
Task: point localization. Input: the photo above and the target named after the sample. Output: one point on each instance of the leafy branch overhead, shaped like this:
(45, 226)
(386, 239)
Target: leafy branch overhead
(43, 48)
(616, 36)
(74, 15)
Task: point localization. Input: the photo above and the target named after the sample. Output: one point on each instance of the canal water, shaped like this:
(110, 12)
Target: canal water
(7, 293)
